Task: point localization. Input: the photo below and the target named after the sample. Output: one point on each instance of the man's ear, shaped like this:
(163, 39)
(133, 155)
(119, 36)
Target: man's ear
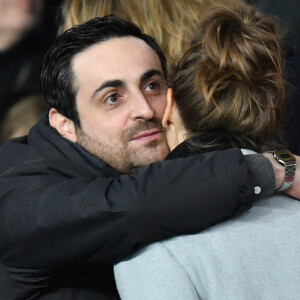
(63, 125)
(166, 120)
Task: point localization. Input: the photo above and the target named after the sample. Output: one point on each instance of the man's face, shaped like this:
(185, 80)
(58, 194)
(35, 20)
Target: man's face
(121, 100)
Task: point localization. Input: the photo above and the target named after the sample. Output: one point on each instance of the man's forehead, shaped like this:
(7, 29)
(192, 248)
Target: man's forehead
(117, 58)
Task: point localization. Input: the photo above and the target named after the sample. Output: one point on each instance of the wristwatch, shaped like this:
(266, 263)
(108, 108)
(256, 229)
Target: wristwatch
(288, 160)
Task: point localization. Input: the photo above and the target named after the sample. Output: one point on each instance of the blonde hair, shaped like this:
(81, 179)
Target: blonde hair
(231, 81)
(172, 23)
(21, 117)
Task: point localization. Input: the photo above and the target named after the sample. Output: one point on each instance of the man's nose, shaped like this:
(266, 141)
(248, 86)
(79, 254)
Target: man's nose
(141, 107)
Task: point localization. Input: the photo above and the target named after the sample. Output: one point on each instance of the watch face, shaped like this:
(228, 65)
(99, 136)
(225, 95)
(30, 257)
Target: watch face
(285, 155)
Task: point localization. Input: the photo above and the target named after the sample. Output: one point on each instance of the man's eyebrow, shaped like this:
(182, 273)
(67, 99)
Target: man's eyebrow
(107, 84)
(120, 83)
(150, 73)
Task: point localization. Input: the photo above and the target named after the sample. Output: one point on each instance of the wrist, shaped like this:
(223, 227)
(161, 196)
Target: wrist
(279, 170)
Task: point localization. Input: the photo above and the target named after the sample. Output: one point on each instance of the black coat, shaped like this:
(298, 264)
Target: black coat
(67, 217)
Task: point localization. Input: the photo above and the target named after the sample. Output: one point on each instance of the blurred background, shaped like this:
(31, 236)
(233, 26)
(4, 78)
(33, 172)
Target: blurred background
(27, 28)
(288, 12)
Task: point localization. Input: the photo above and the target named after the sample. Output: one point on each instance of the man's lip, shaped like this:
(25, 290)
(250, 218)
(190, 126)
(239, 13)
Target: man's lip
(147, 134)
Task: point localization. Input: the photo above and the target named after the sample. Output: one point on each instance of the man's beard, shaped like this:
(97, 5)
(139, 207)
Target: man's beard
(119, 154)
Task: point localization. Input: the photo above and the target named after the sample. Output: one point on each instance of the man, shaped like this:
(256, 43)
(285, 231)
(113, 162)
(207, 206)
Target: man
(66, 214)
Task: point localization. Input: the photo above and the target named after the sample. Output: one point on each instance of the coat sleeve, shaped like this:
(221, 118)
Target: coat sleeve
(51, 219)
(154, 273)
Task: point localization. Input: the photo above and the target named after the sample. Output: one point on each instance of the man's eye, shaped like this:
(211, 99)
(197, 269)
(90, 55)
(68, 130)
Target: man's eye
(112, 99)
(152, 87)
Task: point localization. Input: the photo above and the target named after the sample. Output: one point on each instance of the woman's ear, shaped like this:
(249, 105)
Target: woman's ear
(166, 120)
(63, 125)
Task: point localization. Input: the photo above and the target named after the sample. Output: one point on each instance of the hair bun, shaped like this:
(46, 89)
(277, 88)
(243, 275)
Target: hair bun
(242, 41)
(233, 76)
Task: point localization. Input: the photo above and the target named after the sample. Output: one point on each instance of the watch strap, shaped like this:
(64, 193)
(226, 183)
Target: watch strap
(287, 159)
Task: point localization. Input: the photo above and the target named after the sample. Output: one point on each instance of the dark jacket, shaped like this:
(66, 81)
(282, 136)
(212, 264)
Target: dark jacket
(66, 216)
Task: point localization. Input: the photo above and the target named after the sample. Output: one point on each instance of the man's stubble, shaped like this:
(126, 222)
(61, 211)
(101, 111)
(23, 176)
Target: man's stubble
(121, 155)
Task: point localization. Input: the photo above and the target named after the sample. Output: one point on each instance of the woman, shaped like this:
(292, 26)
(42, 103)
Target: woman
(227, 91)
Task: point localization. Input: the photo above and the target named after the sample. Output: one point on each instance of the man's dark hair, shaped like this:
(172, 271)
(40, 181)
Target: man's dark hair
(57, 79)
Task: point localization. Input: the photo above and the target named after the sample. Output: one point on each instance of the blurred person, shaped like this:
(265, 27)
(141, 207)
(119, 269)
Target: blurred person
(228, 90)
(19, 50)
(68, 209)
(17, 18)
(21, 117)
(26, 30)
(171, 23)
